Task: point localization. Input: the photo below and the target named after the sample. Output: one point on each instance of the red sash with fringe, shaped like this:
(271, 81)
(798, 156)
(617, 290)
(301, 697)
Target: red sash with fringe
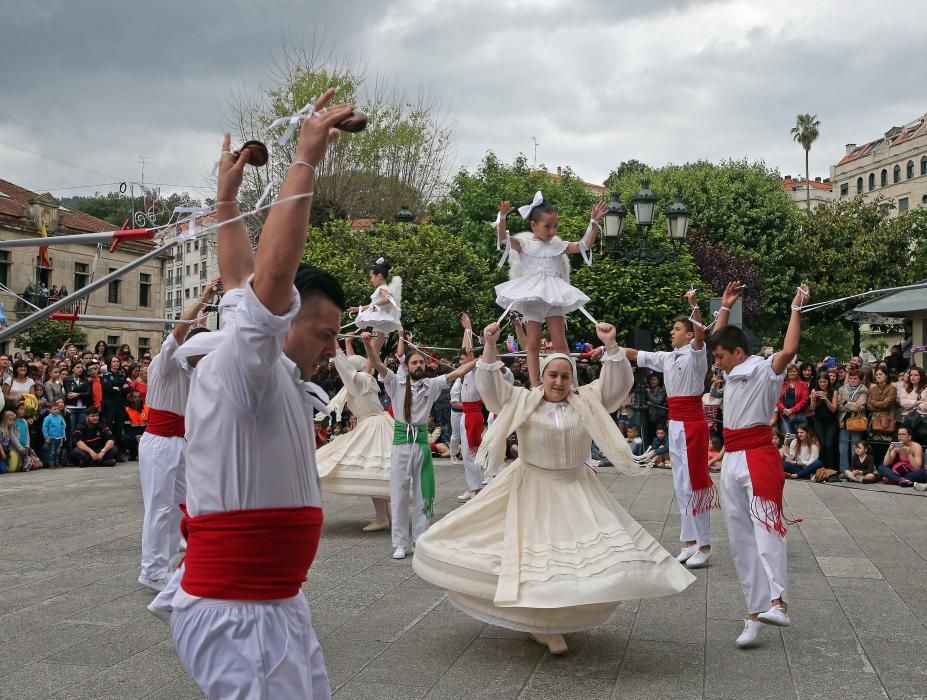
(164, 423)
(473, 423)
(766, 474)
(688, 410)
(259, 554)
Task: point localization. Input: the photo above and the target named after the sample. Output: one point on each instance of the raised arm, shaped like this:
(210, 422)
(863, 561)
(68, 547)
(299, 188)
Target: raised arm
(493, 388)
(458, 373)
(193, 311)
(283, 238)
(698, 342)
(732, 293)
(506, 208)
(490, 338)
(233, 246)
(598, 210)
(467, 342)
(616, 378)
(373, 357)
(782, 358)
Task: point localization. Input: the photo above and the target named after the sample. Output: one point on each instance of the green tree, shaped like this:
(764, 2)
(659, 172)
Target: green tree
(624, 168)
(118, 208)
(805, 132)
(49, 336)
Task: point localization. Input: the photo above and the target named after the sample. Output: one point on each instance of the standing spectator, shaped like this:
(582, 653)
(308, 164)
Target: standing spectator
(824, 419)
(793, 400)
(101, 351)
(43, 294)
(96, 386)
(895, 361)
(715, 453)
(53, 294)
(656, 404)
(136, 420)
(6, 440)
(53, 432)
(809, 377)
(882, 404)
(19, 441)
(63, 291)
(912, 398)
(124, 353)
(115, 388)
(140, 382)
(862, 468)
(54, 387)
(93, 443)
(20, 383)
(804, 455)
(851, 403)
(77, 396)
(904, 462)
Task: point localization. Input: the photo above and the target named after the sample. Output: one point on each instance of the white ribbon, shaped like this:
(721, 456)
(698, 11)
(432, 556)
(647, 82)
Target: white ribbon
(495, 228)
(582, 310)
(525, 211)
(508, 249)
(266, 192)
(292, 122)
(505, 313)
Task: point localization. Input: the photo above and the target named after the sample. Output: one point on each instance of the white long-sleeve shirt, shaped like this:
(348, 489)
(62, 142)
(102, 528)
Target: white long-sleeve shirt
(683, 369)
(168, 382)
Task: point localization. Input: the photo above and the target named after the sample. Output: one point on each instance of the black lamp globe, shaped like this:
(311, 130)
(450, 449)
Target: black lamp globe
(677, 219)
(645, 204)
(404, 216)
(614, 217)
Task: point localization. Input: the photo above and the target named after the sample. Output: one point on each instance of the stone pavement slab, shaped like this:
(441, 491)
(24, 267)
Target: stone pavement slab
(73, 622)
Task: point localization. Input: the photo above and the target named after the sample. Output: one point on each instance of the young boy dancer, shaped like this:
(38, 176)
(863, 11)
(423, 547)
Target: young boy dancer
(684, 371)
(751, 473)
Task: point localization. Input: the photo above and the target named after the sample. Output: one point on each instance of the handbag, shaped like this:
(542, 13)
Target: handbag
(882, 423)
(823, 474)
(857, 423)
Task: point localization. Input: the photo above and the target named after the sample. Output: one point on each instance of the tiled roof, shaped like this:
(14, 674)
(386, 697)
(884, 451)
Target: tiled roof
(789, 184)
(590, 186)
(361, 224)
(905, 133)
(17, 200)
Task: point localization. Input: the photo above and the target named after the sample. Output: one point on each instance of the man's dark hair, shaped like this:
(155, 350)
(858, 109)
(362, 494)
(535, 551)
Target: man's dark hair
(412, 353)
(686, 321)
(93, 411)
(197, 331)
(311, 281)
(729, 338)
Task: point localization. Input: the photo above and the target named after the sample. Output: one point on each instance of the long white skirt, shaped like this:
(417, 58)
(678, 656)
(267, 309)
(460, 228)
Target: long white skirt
(545, 550)
(357, 463)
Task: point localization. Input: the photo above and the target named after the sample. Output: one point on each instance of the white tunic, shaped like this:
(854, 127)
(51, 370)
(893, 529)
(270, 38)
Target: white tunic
(168, 383)
(424, 394)
(751, 391)
(683, 369)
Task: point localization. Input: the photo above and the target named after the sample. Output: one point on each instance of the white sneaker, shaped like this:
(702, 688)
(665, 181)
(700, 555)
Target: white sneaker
(400, 553)
(485, 482)
(157, 584)
(750, 634)
(776, 616)
(686, 553)
(594, 463)
(698, 560)
(454, 459)
(465, 496)
(161, 614)
(918, 486)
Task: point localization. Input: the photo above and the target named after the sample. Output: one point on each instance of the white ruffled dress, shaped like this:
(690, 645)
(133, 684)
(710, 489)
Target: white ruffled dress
(384, 319)
(540, 285)
(357, 463)
(544, 547)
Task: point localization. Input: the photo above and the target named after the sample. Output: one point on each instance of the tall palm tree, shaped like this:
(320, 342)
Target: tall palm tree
(806, 132)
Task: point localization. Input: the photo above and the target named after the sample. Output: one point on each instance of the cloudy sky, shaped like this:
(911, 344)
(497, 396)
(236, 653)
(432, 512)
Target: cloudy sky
(95, 84)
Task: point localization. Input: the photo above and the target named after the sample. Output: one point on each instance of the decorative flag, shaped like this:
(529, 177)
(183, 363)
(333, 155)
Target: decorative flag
(43, 250)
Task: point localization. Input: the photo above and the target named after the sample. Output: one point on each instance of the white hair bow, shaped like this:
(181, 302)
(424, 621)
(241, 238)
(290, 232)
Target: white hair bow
(525, 211)
(380, 261)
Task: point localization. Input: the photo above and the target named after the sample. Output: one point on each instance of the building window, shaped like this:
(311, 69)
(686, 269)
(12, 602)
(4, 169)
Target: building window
(188, 246)
(112, 294)
(924, 165)
(143, 346)
(170, 300)
(186, 293)
(859, 185)
(883, 179)
(871, 181)
(81, 275)
(112, 341)
(909, 169)
(845, 189)
(896, 174)
(202, 273)
(170, 277)
(902, 204)
(196, 268)
(188, 270)
(144, 289)
(196, 245)
(5, 268)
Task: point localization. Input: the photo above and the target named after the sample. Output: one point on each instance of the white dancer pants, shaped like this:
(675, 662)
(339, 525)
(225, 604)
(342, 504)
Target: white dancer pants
(456, 424)
(471, 469)
(251, 650)
(405, 473)
(694, 527)
(760, 556)
(164, 487)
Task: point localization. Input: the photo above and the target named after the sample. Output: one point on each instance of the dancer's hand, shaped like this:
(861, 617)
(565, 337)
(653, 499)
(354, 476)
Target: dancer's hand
(606, 333)
(491, 333)
(319, 130)
(231, 171)
(465, 321)
(732, 293)
(366, 339)
(210, 291)
(598, 210)
(352, 309)
(691, 297)
(505, 208)
(802, 295)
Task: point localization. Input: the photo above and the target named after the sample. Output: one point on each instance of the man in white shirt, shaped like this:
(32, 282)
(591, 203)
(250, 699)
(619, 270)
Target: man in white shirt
(240, 622)
(752, 478)
(161, 452)
(684, 371)
(412, 396)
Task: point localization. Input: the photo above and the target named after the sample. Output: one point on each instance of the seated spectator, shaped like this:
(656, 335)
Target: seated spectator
(7, 428)
(793, 401)
(712, 400)
(715, 453)
(136, 422)
(634, 440)
(93, 443)
(896, 361)
(803, 458)
(778, 443)
(435, 438)
(54, 433)
(660, 447)
(904, 462)
(862, 468)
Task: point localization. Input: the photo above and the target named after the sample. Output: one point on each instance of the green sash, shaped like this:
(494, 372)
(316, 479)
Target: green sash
(404, 434)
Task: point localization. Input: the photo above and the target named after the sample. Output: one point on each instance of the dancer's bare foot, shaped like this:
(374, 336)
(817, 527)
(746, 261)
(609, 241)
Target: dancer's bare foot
(555, 643)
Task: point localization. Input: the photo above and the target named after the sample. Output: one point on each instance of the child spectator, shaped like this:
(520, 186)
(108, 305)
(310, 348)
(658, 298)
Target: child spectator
(6, 442)
(54, 432)
(862, 468)
(19, 441)
(660, 447)
(715, 453)
(634, 440)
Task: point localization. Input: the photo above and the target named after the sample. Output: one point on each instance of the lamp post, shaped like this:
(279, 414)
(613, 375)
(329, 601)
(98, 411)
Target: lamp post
(404, 216)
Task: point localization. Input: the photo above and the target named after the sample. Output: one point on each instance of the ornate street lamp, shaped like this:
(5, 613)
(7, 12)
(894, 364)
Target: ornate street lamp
(404, 216)
(677, 219)
(645, 204)
(614, 217)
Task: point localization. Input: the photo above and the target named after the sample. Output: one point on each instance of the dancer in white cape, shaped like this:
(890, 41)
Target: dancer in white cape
(544, 548)
(356, 463)
(382, 314)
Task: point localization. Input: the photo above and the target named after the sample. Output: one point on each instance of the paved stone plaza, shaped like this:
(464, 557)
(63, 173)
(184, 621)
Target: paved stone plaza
(73, 622)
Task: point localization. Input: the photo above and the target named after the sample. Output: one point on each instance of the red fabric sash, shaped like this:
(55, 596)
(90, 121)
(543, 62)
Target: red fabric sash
(260, 554)
(688, 410)
(473, 423)
(164, 423)
(766, 474)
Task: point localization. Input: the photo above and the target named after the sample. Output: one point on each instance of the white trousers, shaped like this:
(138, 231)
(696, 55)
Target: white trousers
(694, 527)
(164, 487)
(456, 424)
(251, 650)
(405, 473)
(760, 556)
(471, 469)
(164, 600)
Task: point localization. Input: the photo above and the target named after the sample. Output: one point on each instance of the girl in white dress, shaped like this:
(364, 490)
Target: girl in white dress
(539, 288)
(383, 313)
(356, 463)
(544, 548)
